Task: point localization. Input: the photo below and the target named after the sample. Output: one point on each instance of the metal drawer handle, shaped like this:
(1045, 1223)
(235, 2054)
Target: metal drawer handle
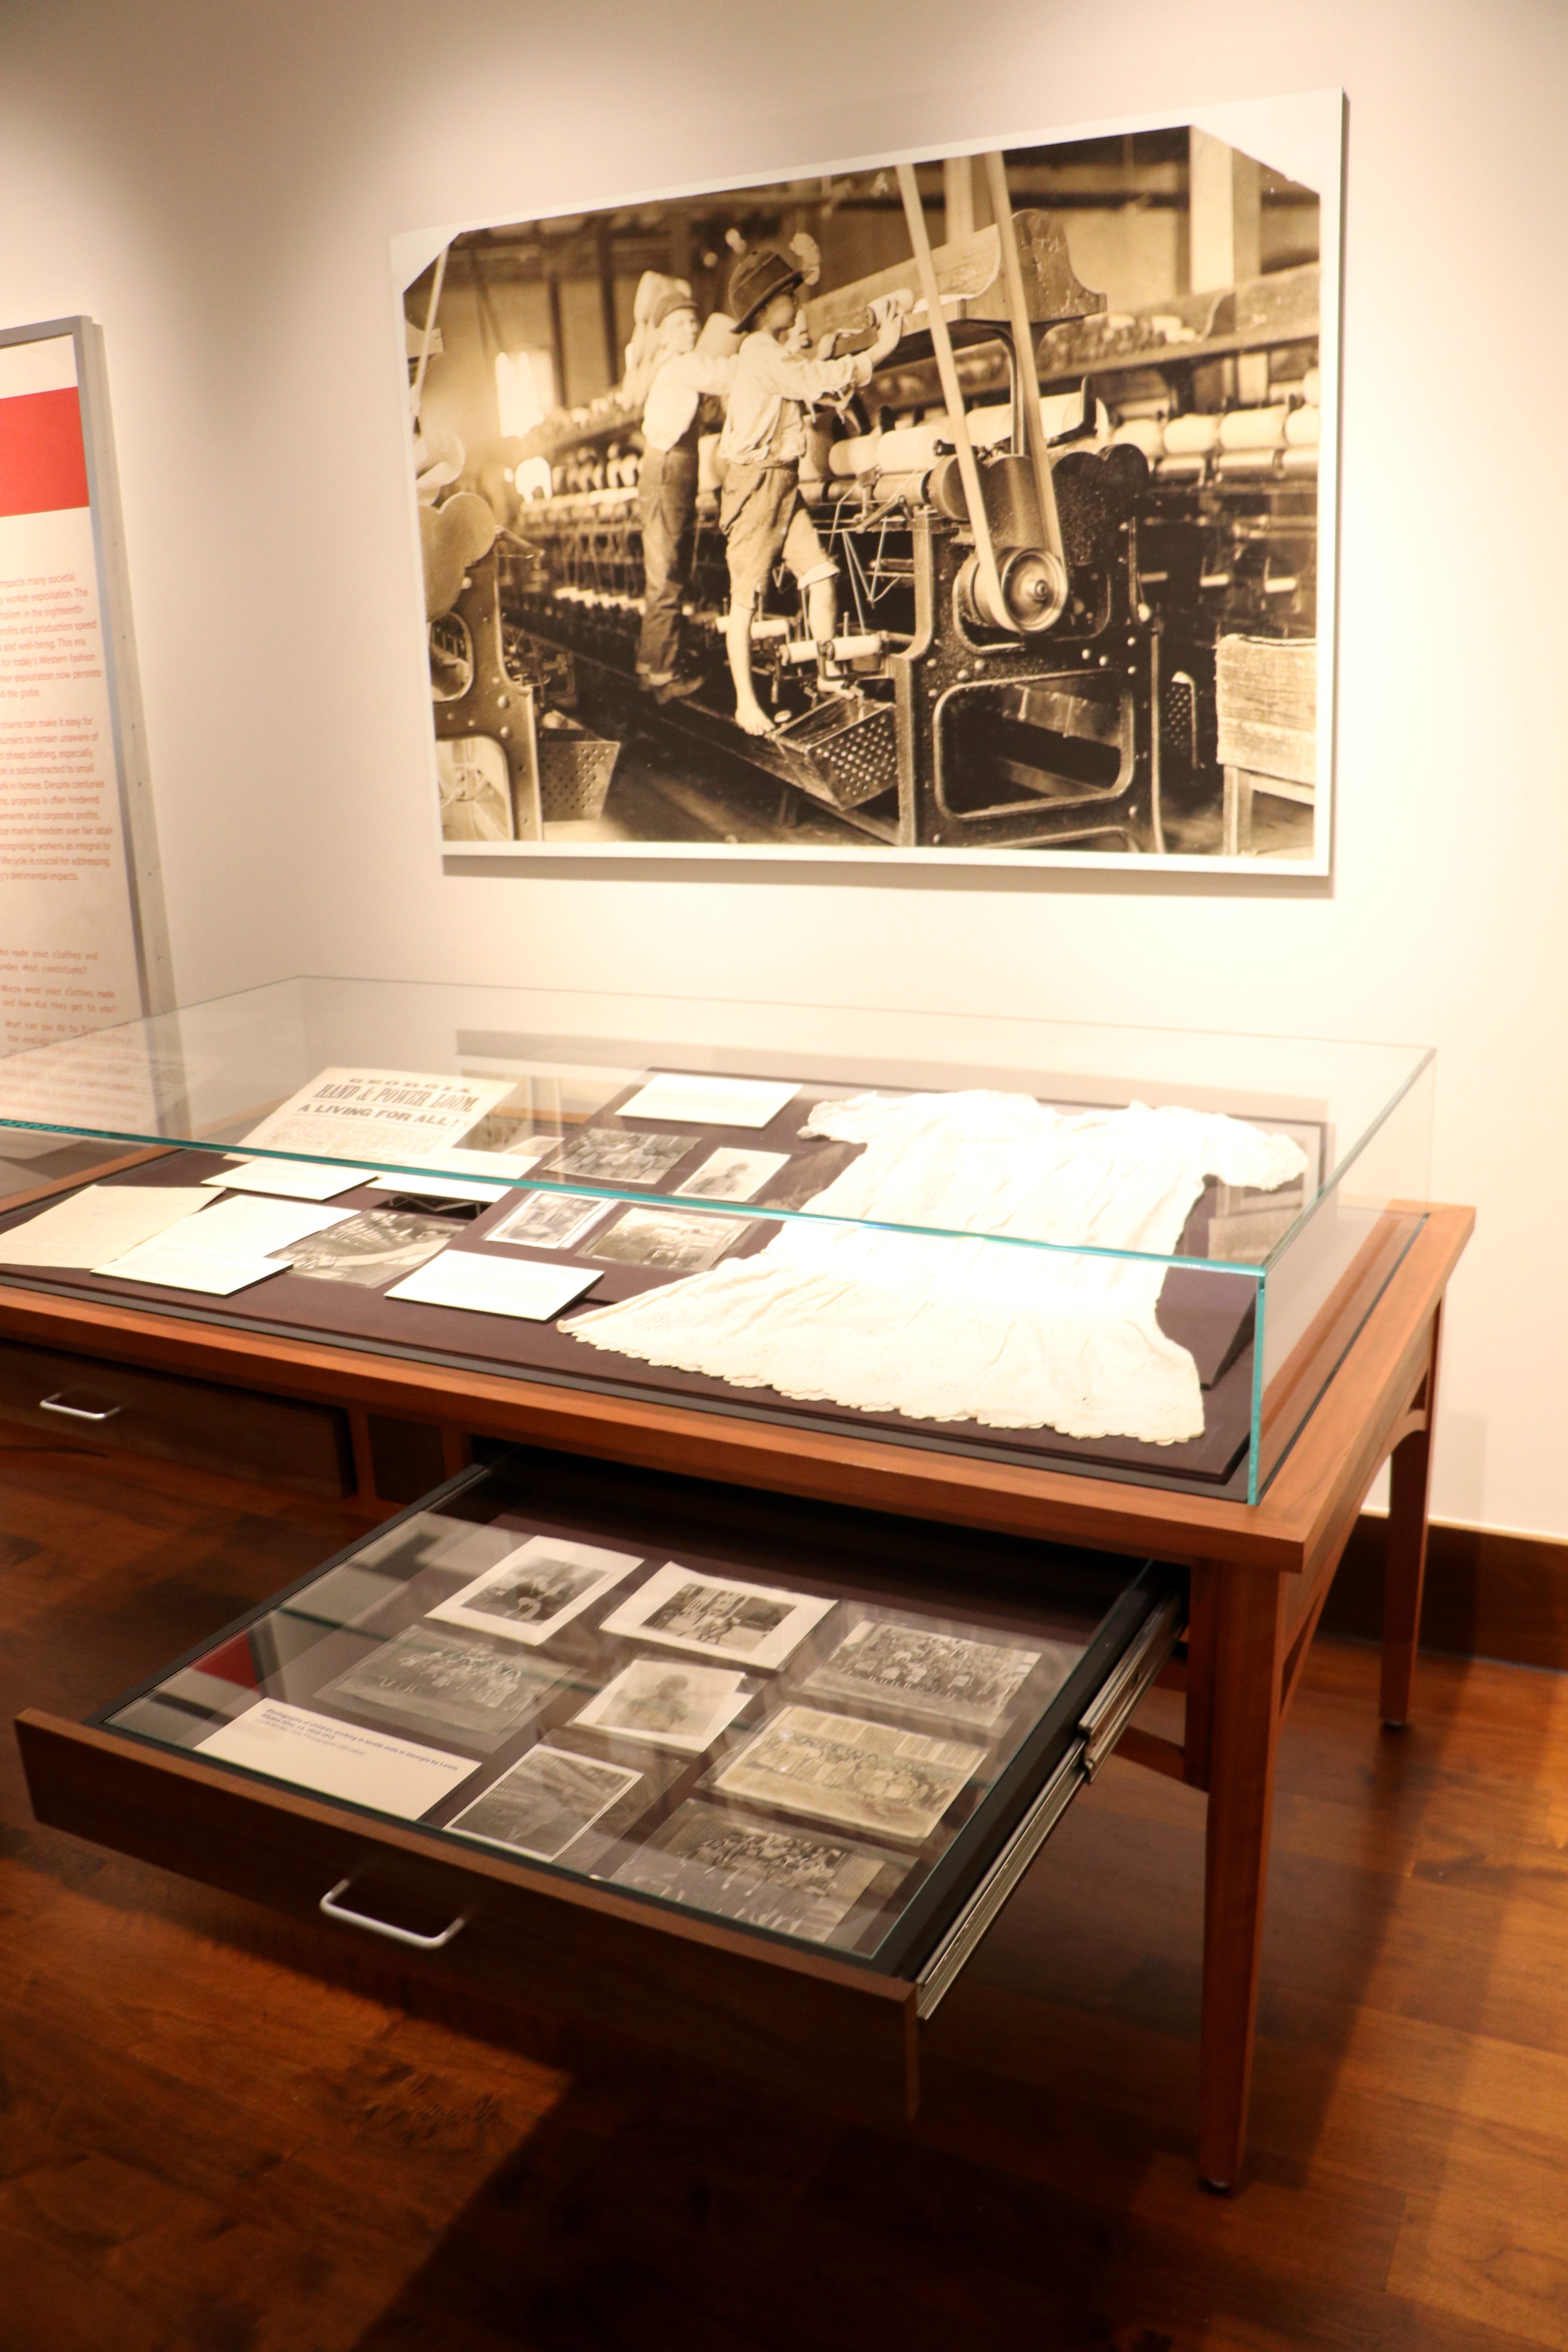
(76, 1411)
(332, 1909)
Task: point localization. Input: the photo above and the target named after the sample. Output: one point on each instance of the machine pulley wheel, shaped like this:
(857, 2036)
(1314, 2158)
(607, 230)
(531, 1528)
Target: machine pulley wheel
(1033, 592)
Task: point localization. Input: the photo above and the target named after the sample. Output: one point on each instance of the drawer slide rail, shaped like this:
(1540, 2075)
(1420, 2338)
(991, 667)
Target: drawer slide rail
(1099, 1728)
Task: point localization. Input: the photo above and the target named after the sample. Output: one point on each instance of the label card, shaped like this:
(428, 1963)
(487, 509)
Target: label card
(189, 1269)
(369, 1767)
(291, 1180)
(495, 1285)
(708, 1102)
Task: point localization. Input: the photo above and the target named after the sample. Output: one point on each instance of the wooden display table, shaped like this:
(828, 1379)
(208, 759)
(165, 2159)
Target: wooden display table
(1259, 1575)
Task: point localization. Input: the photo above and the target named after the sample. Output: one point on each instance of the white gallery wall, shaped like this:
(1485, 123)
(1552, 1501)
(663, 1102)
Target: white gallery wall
(217, 187)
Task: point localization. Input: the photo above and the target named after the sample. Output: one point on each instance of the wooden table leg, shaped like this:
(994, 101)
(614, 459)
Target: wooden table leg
(1405, 1566)
(1249, 1643)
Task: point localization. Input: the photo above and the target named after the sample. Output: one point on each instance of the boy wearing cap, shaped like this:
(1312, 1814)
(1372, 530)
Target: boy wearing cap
(762, 444)
(666, 483)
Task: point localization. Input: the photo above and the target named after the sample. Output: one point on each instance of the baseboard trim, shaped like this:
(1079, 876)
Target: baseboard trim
(1488, 1595)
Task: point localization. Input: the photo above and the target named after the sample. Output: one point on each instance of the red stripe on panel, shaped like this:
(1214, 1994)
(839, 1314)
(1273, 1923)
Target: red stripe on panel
(43, 465)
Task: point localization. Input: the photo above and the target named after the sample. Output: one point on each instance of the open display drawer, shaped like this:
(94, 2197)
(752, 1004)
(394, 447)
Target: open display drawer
(746, 1776)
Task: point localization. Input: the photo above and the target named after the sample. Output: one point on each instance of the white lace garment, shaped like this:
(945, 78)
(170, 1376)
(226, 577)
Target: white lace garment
(961, 1329)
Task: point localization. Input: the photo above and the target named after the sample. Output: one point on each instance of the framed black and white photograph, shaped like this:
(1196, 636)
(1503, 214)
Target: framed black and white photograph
(966, 505)
(754, 1623)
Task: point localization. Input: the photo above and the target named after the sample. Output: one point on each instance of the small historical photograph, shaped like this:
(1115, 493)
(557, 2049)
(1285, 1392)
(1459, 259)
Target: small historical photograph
(898, 1784)
(476, 1689)
(611, 1155)
(919, 1670)
(958, 507)
(673, 1705)
(372, 1250)
(549, 1221)
(734, 1175)
(667, 1242)
(794, 1881)
(543, 1804)
(754, 1623)
(509, 1134)
(536, 1589)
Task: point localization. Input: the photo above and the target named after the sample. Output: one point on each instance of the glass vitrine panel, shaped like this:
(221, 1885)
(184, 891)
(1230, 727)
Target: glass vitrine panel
(1138, 1253)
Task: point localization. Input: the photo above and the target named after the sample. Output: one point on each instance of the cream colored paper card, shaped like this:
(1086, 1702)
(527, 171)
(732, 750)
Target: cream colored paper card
(251, 1226)
(189, 1269)
(495, 1285)
(291, 1180)
(692, 1101)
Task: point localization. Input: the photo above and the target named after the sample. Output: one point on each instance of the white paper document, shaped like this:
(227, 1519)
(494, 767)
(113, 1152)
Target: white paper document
(440, 1188)
(173, 1268)
(381, 1114)
(291, 1180)
(708, 1102)
(101, 1220)
(538, 1587)
(368, 1768)
(249, 1226)
(495, 1285)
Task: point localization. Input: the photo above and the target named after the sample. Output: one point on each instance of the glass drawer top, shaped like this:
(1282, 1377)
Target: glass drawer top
(817, 1724)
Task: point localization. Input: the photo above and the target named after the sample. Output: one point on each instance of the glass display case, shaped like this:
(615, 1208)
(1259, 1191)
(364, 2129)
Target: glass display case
(1138, 1255)
(781, 1763)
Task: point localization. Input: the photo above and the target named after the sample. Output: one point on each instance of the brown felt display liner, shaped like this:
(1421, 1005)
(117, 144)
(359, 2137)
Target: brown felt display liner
(1209, 1314)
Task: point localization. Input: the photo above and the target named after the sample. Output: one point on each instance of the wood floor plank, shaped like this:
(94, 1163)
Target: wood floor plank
(1495, 2251)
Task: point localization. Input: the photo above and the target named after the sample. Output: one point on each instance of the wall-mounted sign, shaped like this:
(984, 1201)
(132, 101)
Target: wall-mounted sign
(82, 936)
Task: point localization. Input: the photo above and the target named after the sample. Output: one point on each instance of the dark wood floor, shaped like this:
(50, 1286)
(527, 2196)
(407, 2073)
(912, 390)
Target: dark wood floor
(204, 2146)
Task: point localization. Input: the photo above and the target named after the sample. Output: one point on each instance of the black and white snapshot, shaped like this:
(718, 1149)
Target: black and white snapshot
(474, 1689)
(977, 507)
